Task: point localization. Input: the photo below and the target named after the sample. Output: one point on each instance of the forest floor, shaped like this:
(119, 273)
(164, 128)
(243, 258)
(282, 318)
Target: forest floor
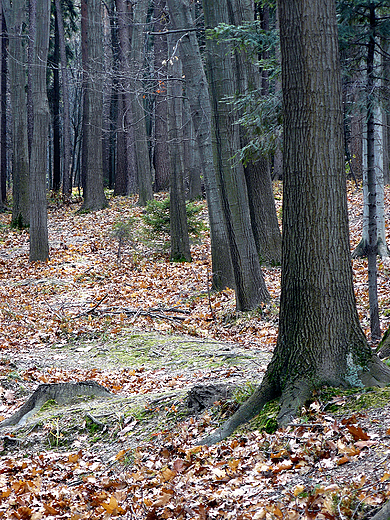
(151, 332)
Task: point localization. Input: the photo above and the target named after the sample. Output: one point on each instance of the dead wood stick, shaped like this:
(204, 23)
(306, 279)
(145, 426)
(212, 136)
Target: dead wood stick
(89, 311)
(139, 312)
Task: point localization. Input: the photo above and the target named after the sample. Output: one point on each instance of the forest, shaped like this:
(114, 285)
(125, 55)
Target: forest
(195, 276)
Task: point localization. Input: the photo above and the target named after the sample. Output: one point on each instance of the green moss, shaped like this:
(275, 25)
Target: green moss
(266, 420)
(49, 405)
(341, 401)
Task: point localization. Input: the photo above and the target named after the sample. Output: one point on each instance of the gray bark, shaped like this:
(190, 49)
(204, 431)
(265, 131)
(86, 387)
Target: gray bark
(126, 156)
(16, 20)
(180, 244)
(93, 191)
(160, 156)
(264, 220)
(3, 112)
(144, 176)
(197, 93)
(66, 169)
(39, 244)
(192, 167)
(249, 282)
(320, 340)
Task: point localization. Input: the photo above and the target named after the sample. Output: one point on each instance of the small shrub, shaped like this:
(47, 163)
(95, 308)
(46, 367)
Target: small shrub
(157, 218)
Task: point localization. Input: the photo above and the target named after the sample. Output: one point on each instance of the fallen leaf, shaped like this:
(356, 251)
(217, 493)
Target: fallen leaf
(357, 433)
(343, 460)
(386, 476)
(298, 490)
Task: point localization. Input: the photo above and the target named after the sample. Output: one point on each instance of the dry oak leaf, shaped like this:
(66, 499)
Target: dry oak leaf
(357, 433)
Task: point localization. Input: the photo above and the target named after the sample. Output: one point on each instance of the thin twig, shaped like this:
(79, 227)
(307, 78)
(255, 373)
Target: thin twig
(89, 311)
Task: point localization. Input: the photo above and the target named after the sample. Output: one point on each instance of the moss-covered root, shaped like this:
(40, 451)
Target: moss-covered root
(265, 393)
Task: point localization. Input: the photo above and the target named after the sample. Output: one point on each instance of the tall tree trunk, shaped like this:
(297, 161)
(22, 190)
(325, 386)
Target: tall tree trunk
(386, 109)
(66, 135)
(126, 155)
(144, 176)
(249, 282)
(56, 117)
(264, 220)
(3, 105)
(373, 241)
(320, 340)
(16, 20)
(92, 41)
(371, 185)
(198, 96)
(39, 245)
(160, 157)
(180, 244)
(192, 168)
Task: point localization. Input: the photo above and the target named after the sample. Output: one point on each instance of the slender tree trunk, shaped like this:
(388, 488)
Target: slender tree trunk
(320, 340)
(56, 117)
(161, 158)
(249, 282)
(264, 220)
(192, 167)
(66, 136)
(373, 241)
(198, 96)
(144, 176)
(126, 137)
(180, 244)
(39, 245)
(386, 109)
(92, 41)
(16, 20)
(371, 184)
(3, 104)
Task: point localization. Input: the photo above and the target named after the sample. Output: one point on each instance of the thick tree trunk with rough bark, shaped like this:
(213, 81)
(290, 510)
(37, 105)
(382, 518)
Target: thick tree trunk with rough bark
(144, 176)
(39, 244)
(249, 282)
(198, 95)
(320, 340)
(180, 243)
(16, 20)
(92, 42)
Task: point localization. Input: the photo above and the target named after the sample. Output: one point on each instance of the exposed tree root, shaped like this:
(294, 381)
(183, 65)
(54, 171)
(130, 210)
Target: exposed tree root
(295, 394)
(292, 400)
(59, 392)
(265, 393)
(361, 250)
